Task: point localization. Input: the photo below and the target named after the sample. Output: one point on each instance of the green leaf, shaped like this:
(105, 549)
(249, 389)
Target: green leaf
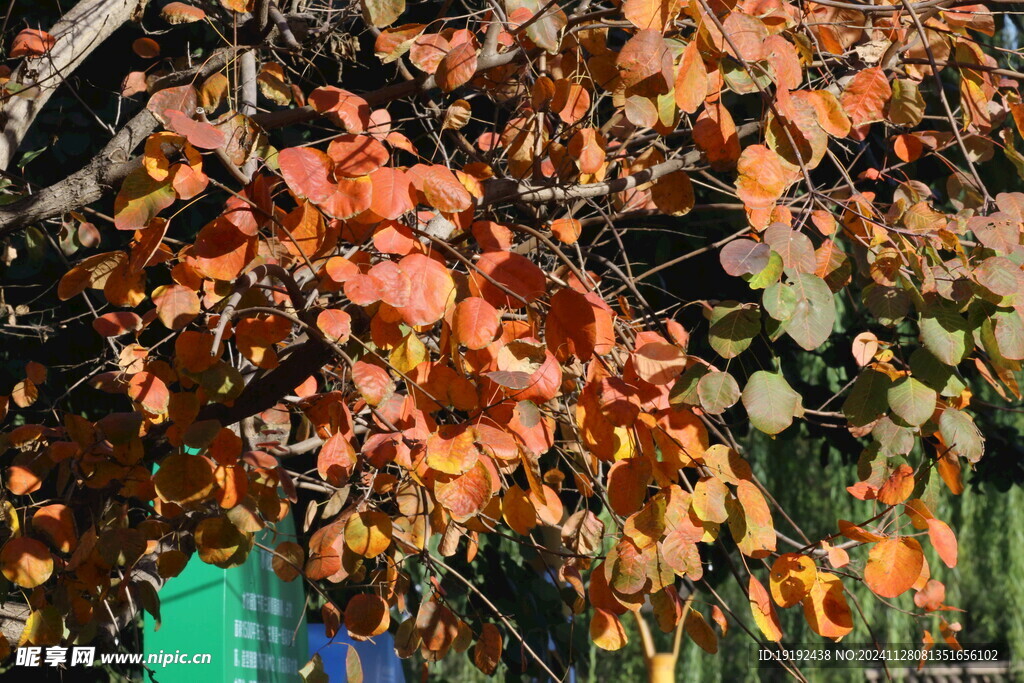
(815, 312)
(939, 376)
(684, 391)
(780, 301)
(892, 438)
(770, 402)
(906, 108)
(717, 391)
(222, 383)
(546, 31)
(733, 327)
(944, 332)
(888, 304)
(768, 275)
(912, 400)
(140, 199)
(868, 398)
(961, 434)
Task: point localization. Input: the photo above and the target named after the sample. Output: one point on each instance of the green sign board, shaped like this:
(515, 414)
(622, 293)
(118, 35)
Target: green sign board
(252, 623)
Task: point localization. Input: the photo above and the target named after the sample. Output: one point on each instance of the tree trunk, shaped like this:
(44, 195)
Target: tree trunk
(78, 33)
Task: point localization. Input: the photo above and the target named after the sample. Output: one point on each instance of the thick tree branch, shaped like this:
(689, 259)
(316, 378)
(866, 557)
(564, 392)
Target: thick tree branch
(102, 174)
(78, 33)
(107, 169)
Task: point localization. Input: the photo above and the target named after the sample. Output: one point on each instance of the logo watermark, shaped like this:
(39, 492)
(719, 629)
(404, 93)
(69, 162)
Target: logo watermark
(86, 656)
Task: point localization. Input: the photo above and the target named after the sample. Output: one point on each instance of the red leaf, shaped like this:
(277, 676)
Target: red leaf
(345, 108)
(372, 381)
(199, 133)
(392, 193)
(31, 42)
(116, 324)
(476, 322)
(356, 155)
(457, 67)
(866, 95)
(182, 98)
(336, 325)
(520, 280)
(306, 171)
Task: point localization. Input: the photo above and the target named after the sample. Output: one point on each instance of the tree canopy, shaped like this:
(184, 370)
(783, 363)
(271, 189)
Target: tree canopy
(459, 285)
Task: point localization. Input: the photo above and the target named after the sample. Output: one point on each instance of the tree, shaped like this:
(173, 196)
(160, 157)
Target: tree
(405, 265)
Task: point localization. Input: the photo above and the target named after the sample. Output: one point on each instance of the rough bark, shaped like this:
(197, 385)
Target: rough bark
(78, 33)
(107, 169)
(101, 175)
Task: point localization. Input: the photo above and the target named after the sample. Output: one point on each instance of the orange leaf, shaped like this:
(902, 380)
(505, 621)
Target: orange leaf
(140, 199)
(26, 562)
(336, 325)
(366, 616)
(487, 652)
(436, 624)
(944, 540)
(222, 251)
(372, 381)
(444, 191)
(659, 362)
(288, 560)
(898, 487)
(150, 391)
(715, 133)
(392, 193)
(607, 631)
(627, 485)
(866, 95)
(567, 230)
(356, 155)
(368, 533)
(701, 632)
(649, 14)
(893, 566)
(826, 609)
(792, 578)
(336, 460)
(691, 82)
(475, 322)
(184, 478)
(457, 67)
(176, 305)
(466, 495)
(763, 610)
(435, 290)
(344, 108)
(516, 280)
(57, 523)
(117, 323)
(645, 64)
(762, 179)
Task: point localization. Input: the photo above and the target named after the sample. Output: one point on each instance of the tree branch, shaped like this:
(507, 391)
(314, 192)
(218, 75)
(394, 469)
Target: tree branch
(78, 33)
(102, 174)
(107, 169)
